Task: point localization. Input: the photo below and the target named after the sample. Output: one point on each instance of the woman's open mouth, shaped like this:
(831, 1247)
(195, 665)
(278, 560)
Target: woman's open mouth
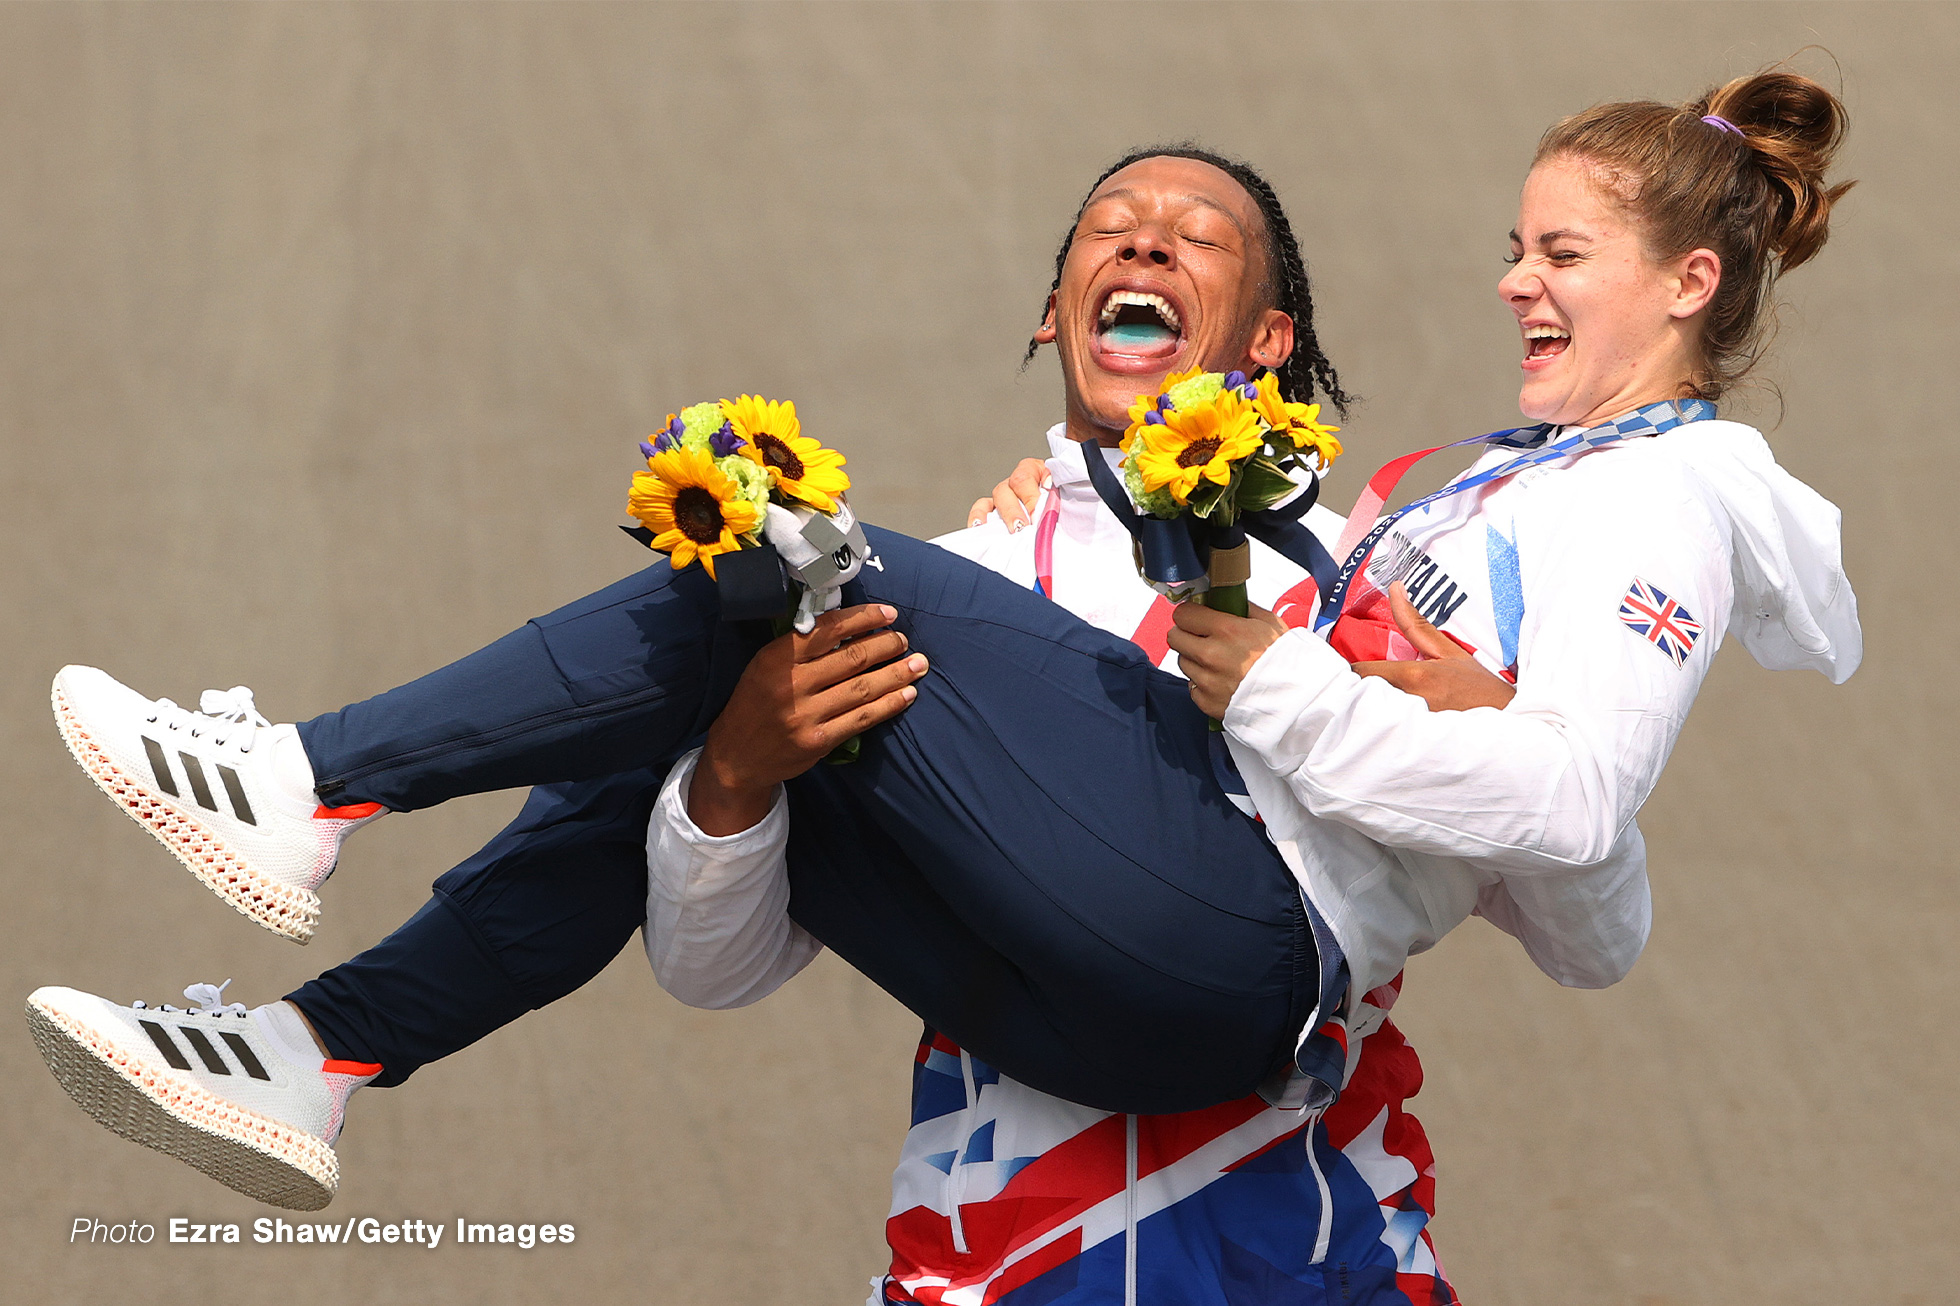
(1544, 343)
(1137, 331)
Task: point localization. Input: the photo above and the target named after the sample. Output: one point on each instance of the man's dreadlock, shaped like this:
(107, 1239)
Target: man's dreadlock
(1307, 369)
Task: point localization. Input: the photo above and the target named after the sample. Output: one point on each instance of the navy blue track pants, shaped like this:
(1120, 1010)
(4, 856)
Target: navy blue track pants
(1035, 857)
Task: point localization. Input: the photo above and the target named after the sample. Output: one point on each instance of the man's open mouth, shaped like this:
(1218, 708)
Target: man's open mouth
(1138, 323)
(1545, 341)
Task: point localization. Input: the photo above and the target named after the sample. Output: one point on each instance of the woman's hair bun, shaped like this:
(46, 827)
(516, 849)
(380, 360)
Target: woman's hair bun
(1795, 126)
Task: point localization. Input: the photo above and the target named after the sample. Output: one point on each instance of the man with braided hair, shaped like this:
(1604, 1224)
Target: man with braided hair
(1004, 1193)
(1177, 258)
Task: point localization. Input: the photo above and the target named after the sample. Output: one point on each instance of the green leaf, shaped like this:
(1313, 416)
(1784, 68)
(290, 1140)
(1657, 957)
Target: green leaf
(1206, 498)
(1263, 485)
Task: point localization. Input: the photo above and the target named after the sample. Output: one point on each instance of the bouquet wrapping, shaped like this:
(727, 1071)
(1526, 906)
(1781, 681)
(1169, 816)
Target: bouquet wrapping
(1200, 456)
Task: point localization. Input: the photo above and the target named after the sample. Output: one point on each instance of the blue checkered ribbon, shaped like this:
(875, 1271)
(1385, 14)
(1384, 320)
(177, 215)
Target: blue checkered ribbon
(1651, 420)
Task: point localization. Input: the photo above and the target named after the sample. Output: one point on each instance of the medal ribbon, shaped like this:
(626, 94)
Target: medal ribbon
(1152, 634)
(1358, 539)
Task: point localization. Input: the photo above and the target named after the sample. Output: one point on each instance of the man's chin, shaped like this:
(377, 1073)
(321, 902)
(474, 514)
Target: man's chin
(1105, 393)
(1109, 407)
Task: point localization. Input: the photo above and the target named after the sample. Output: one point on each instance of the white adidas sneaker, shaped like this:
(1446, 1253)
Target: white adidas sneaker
(224, 789)
(244, 1096)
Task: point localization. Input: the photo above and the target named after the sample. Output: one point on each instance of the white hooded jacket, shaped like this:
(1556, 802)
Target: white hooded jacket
(1540, 574)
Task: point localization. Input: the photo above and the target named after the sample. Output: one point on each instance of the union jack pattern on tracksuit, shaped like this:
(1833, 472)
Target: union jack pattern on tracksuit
(1004, 1195)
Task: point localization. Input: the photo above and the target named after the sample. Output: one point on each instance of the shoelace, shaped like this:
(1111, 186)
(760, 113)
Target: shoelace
(210, 1000)
(217, 708)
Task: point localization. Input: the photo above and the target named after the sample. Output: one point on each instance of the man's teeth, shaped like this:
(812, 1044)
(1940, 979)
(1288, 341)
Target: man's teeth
(1546, 333)
(1140, 299)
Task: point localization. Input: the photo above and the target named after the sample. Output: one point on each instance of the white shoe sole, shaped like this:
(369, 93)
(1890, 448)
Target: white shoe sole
(243, 1150)
(285, 909)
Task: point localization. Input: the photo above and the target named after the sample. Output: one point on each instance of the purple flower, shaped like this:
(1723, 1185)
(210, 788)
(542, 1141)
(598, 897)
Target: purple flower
(1164, 403)
(725, 441)
(666, 440)
(648, 449)
(1233, 380)
(1250, 391)
(1153, 419)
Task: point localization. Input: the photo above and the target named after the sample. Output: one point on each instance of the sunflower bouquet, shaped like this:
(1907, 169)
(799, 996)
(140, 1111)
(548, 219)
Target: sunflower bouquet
(1207, 448)
(736, 482)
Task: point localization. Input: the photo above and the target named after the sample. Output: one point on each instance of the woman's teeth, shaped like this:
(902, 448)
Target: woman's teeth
(1545, 341)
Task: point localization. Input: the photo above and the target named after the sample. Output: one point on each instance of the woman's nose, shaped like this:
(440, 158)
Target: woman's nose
(1150, 244)
(1518, 285)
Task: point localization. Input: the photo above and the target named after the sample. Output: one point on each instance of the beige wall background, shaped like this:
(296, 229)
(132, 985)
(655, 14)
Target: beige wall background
(326, 336)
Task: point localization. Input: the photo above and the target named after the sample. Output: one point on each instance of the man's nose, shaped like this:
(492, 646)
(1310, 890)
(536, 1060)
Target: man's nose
(1150, 244)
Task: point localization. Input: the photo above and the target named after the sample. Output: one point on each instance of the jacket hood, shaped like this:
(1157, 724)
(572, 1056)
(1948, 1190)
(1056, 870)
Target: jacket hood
(1793, 603)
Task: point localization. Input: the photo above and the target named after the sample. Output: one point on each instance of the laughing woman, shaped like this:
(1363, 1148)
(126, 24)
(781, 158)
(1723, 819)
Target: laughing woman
(1037, 855)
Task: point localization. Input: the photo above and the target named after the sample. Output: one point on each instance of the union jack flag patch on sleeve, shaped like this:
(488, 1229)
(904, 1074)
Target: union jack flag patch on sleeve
(1659, 620)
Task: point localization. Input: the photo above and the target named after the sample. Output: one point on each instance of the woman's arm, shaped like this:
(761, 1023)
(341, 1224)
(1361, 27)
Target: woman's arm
(1216, 651)
(1550, 781)
(1584, 927)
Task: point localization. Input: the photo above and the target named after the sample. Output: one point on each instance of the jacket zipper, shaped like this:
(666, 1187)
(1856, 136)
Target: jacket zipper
(1324, 1239)
(956, 1179)
(1129, 1211)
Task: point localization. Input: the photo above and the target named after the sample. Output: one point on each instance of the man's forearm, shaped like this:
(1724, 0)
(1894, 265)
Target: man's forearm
(718, 931)
(721, 802)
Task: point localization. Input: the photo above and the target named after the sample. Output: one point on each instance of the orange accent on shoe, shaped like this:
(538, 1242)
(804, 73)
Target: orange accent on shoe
(358, 812)
(357, 1068)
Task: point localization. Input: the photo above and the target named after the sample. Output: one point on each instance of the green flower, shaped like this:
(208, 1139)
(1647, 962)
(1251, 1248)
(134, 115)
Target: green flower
(1200, 389)
(1157, 502)
(751, 478)
(701, 421)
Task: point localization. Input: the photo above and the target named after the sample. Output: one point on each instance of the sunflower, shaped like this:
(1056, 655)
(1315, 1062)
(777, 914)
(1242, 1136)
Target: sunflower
(692, 507)
(799, 467)
(1198, 443)
(1295, 422)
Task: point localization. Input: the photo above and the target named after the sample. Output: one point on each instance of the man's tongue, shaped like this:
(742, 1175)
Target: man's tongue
(1144, 339)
